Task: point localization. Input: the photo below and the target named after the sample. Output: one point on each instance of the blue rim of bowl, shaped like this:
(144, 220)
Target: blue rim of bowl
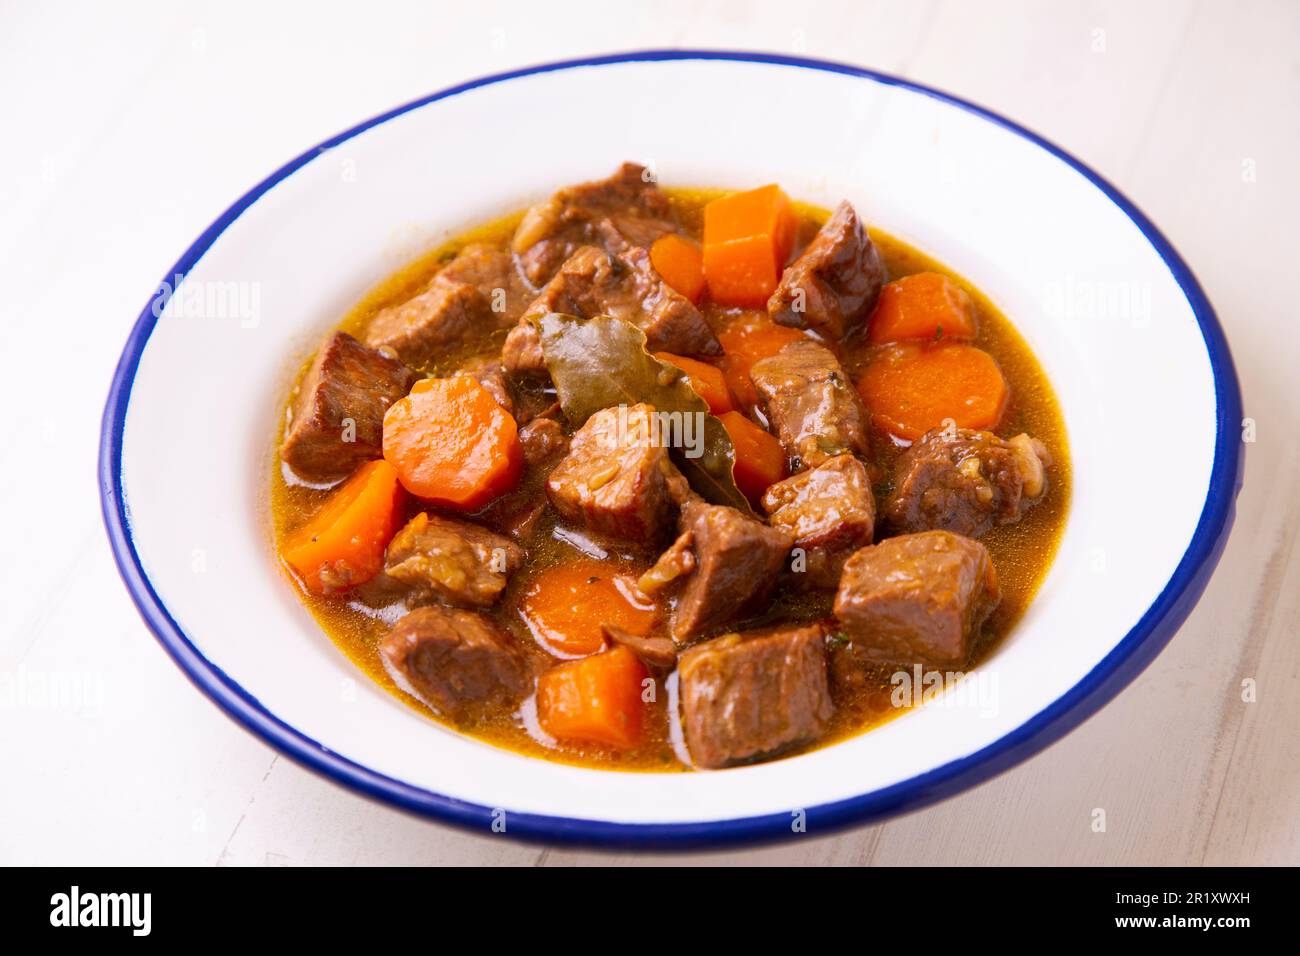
(1125, 661)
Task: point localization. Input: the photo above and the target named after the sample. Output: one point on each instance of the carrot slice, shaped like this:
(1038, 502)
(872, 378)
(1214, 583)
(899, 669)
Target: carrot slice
(707, 380)
(746, 339)
(747, 238)
(926, 305)
(343, 545)
(680, 263)
(760, 459)
(910, 388)
(594, 700)
(565, 607)
(452, 443)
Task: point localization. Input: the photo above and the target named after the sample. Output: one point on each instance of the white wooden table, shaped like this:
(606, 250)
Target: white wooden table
(127, 130)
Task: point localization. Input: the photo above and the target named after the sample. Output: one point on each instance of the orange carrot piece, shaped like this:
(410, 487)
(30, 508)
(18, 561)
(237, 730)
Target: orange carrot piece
(707, 380)
(910, 388)
(343, 544)
(922, 306)
(746, 339)
(594, 700)
(760, 459)
(680, 263)
(565, 606)
(747, 238)
(452, 443)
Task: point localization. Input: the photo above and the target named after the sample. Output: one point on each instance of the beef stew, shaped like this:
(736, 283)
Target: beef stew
(661, 479)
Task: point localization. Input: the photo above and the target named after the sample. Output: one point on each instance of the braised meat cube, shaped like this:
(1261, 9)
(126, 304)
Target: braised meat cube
(459, 662)
(636, 292)
(623, 285)
(811, 404)
(749, 696)
(444, 315)
(670, 571)
(455, 562)
(475, 293)
(532, 402)
(578, 287)
(917, 599)
(493, 273)
(543, 439)
(831, 512)
(523, 523)
(722, 565)
(338, 416)
(521, 352)
(654, 651)
(833, 285)
(617, 478)
(966, 482)
(627, 206)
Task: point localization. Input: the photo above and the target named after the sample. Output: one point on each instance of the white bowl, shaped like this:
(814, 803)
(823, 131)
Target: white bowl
(1139, 362)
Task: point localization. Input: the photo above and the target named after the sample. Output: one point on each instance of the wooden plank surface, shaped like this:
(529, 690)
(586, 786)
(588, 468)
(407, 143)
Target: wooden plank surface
(133, 131)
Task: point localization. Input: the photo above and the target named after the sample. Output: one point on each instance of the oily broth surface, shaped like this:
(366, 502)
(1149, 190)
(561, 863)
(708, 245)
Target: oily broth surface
(1022, 553)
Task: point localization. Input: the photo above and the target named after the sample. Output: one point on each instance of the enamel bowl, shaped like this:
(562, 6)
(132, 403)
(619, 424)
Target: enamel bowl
(1119, 323)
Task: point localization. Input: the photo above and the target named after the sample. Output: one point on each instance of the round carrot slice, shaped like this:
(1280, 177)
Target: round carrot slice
(565, 607)
(452, 443)
(910, 388)
(926, 305)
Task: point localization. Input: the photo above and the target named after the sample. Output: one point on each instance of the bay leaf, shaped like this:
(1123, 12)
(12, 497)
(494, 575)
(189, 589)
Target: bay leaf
(602, 362)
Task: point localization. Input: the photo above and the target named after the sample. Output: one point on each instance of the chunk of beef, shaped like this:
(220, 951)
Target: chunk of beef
(523, 522)
(617, 478)
(654, 651)
(722, 565)
(476, 292)
(627, 206)
(634, 291)
(521, 352)
(966, 482)
(670, 570)
(338, 416)
(532, 402)
(917, 599)
(441, 317)
(750, 696)
(459, 662)
(493, 273)
(811, 404)
(623, 285)
(455, 562)
(831, 512)
(543, 439)
(833, 285)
